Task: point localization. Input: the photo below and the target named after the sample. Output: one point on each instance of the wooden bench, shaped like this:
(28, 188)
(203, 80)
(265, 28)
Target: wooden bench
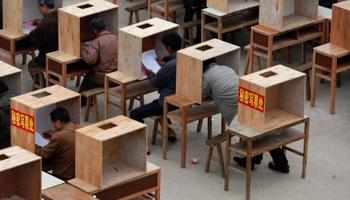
(187, 28)
(165, 7)
(216, 142)
(91, 96)
(306, 68)
(135, 9)
(38, 77)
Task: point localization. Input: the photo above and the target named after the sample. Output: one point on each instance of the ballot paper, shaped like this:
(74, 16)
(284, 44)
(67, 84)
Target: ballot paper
(149, 60)
(29, 25)
(39, 140)
(26, 31)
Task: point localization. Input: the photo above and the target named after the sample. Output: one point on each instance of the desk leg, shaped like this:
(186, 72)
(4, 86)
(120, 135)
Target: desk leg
(64, 75)
(306, 145)
(123, 99)
(248, 168)
(228, 158)
(223, 125)
(303, 52)
(165, 129)
(157, 195)
(313, 81)
(220, 28)
(13, 57)
(333, 84)
(323, 30)
(269, 52)
(251, 53)
(210, 127)
(184, 137)
(166, 8)
(202, 27)
(106, 97)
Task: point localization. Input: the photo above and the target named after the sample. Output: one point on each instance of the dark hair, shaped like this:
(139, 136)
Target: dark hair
(60, 114)
(207, 62)
(172, 40)
(48, 3)
(3, 87)
(98, 24)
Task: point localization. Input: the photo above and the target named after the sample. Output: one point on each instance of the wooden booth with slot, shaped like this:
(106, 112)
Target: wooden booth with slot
(283, 23)
(30, 113)
(20, 174)
(14, 38)
(189, 74)
(133, 41)
(75, 33)
(12, 77)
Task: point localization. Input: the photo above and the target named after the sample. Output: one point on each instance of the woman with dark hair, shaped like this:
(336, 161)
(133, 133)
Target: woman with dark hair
(5, 126)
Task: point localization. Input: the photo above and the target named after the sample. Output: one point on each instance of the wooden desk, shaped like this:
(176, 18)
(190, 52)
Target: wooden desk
(329, 58)
(186, 115)
(64, 191)
(64, 66)
(255, 143)
(14, 44)
(138, 186)
(229, 22)
(135, 88)
(292, 33)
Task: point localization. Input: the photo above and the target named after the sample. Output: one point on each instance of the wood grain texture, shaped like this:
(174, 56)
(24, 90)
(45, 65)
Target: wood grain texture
(12, 76)
(307, 8)
(65, 191)
(229, 6)
(271, 13)
(190, 65)
(340, 25)
(13, 16)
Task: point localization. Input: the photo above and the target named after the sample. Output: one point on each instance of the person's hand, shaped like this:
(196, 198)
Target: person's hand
(36, 21)
(148, 71)
(160, 62)
(48, 133)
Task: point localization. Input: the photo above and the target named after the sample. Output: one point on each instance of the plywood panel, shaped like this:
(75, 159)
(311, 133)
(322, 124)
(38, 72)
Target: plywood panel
(271, 13)
(111, 151)
(86, 32)
(43, 119)
(30, 10)
(340, 25)
(29, 180)
(73, 107)
(69, 29)
(136, 157)
(271, 98)
(12, 76)
(111, 19)
(307, 8)
(288, 7)
(8, 180)
(13, 16)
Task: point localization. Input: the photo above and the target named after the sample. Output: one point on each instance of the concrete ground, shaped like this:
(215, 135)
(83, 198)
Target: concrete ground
(328, 168)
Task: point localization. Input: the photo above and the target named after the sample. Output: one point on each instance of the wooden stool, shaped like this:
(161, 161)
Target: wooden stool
(187, 28)
(91, 95)
(306, 68)
(24, 56)
(257, 63)
(285, 49)
(166, 7)
(38, 77)
(216, 142)
(135, 9)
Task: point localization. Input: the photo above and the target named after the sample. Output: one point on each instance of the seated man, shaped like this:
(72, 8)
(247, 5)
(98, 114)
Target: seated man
(165, 80)
(61, 147)
(45, 36)
(102, 54)
(5, 107)
(221, 83)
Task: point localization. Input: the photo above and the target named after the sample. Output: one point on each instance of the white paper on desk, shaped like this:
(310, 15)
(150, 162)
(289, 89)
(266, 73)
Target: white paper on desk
(149, 60)
(88, 43)
(39, 140)
(26, 31)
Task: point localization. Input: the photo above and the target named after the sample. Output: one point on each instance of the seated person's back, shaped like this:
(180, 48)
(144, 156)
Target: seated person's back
(5, 124)
(61, 147)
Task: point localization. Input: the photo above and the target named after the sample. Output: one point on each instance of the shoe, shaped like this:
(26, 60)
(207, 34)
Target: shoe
(284, 169)
(243, 162)
(172, 139)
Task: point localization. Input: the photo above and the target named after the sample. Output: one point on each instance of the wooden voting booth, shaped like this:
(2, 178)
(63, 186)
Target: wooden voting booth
(135, 39)
(190, 60)
(333, 57)
(12, 76)
(228, 6)
(271, 98)
(15, 13)
(20, 174)
(74, 32)
(30, 113)
(285, 14)
(110, 152)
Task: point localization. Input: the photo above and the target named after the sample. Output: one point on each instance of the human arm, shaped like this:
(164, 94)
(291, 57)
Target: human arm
(50, 150)
(163, 76)
(91, 55)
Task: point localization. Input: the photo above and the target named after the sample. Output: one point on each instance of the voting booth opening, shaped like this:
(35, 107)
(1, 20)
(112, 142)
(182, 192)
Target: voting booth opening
(12, 77)
(111, 151)
(138, 38)
(20, 174)
(190, 60)
(271, 98)
(30, 113)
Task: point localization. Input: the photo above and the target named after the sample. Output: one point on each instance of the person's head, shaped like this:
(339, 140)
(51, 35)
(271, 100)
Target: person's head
(206, 63)
(171, 41)
(59, 117)
(98, 25)
(3, 87)
(46, 6)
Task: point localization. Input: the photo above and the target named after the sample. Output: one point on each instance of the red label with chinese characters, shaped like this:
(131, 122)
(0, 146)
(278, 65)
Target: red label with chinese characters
(251, 99)
(22, 121)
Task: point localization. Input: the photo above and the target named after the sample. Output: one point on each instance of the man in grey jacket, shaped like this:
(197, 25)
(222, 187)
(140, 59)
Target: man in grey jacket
(5, 126)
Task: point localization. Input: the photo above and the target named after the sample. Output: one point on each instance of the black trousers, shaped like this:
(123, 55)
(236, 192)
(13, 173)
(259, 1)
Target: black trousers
(151, 109)
(189, 13)
(88, 83)
(277, 156)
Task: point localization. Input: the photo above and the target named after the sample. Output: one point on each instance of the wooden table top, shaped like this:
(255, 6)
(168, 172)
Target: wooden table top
(65, 191)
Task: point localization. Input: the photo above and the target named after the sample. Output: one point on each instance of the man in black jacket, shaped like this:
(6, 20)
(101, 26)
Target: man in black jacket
(5, 126)
(165, 80)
